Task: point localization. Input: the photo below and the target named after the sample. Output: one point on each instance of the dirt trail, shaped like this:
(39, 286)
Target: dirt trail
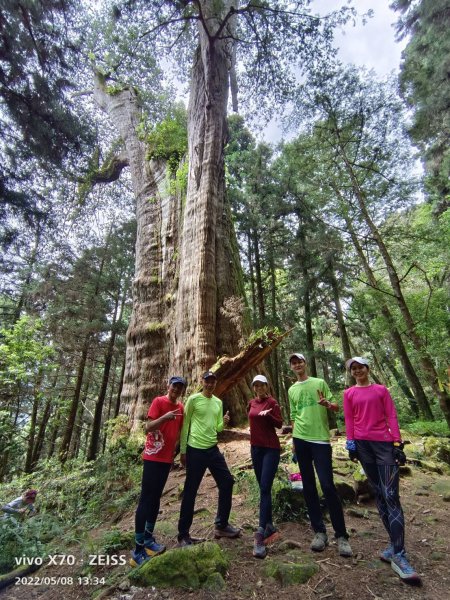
(364, 577)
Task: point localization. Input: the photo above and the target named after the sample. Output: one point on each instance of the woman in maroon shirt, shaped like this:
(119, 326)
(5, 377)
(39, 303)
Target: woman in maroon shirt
(264, 415)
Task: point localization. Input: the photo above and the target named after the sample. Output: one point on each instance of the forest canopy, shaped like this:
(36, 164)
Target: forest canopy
(144, 236)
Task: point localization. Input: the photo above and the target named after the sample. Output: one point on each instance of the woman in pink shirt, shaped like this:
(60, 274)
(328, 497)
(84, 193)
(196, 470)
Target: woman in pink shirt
(264, 415)
(373, 438)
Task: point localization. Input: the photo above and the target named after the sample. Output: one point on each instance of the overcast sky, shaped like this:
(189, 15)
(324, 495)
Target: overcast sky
(371, 45)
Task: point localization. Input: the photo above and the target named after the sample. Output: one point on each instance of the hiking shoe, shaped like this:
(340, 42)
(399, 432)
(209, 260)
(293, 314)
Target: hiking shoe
(344, 547)
(271, 534)
(259, 550)
(185, 541)
(152, 548)
(320, 541)
(387, 554)
(137, 558)
(227, 532)
(401, 566)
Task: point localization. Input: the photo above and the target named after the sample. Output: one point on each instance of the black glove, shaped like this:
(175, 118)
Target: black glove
(398, 454)
(353, 455)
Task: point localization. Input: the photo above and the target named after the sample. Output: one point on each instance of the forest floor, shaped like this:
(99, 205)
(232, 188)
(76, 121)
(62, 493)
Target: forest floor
(363, 577)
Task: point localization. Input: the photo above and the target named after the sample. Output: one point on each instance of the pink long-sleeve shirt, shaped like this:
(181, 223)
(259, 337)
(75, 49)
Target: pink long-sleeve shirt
(370, 414)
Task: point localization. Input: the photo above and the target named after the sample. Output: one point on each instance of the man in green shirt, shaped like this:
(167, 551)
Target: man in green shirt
(309, 400)
(203, 420)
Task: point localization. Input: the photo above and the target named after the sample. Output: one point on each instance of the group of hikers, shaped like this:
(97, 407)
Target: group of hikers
(373, 439)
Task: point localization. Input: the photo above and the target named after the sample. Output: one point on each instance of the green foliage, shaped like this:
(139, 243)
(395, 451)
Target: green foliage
(424, 79)
(29, 537)
(114, 540)
(288, 504)
(429, 428)
(178, 185)
(266, 335)
(23, 352)
(168, 140)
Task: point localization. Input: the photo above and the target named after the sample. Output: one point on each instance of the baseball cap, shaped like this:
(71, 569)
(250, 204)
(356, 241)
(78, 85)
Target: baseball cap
(356, 359)
(208, 374)
(297, 355)
(259, 378)
(176, 379)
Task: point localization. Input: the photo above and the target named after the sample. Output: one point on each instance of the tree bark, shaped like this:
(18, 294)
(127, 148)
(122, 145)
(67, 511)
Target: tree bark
(188, 305)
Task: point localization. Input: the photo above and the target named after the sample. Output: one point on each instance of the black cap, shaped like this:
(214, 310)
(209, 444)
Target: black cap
(174, 380)
(209, 374)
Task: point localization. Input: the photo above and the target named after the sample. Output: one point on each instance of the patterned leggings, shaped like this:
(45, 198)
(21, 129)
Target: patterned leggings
(385, 481)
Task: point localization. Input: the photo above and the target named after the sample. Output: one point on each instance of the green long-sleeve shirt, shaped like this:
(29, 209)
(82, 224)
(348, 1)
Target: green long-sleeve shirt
(309, 417)
(203, 420)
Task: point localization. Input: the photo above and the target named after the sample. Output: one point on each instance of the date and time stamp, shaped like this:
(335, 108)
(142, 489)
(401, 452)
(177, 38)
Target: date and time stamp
(66, 560)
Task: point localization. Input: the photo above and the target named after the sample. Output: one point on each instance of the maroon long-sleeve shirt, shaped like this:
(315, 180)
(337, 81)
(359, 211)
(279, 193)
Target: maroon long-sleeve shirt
(262, 428)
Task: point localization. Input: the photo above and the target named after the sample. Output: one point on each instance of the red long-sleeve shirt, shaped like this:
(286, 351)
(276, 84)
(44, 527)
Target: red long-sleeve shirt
(262, 428)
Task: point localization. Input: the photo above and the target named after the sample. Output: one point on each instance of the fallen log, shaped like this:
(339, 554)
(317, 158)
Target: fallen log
(230, 370)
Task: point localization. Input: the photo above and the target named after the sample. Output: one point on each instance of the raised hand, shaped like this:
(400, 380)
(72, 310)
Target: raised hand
(226, 417)
(322, 400)
(172, 414)
(263, 413)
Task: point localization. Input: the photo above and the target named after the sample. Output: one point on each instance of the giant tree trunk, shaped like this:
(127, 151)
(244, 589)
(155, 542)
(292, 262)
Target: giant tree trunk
(208, 319)
(187, 298)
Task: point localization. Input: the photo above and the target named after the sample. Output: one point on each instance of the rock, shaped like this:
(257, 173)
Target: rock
(362, 488)
(345, 490)
(436, 556)
(446, 497)
(214, 583)
(186, 568)
(287, 545)
(438, 448)
(431, 466)
(124, 585)
(288, 504)
(356, 512)
(405, 471)
(291, 573)
(441, 486)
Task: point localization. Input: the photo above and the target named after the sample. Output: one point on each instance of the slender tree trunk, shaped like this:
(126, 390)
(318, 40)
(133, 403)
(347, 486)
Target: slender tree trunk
(252, 279)
(424, 358)
(40, 438)
(308, 326)
(119, 390)
(397, 376)
(65, 443)
(30, 445)
(41, 433)
(29, 273)
(408, 368)
(96, 423)
(339, 315)
(81, 422)
(259, 282)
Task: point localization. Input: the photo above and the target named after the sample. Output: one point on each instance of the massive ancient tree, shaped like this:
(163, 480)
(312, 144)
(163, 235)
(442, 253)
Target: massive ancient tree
(188, 299)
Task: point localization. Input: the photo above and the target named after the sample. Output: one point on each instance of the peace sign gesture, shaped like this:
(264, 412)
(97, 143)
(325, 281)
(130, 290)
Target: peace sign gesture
(322, 400)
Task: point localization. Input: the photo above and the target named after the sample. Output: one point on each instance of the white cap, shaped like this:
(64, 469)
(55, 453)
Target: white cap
(357, 359)
(297, 355)
(259, 378)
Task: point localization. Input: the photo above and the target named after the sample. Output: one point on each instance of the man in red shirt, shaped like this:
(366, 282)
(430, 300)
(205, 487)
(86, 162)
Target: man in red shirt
(163, 426)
